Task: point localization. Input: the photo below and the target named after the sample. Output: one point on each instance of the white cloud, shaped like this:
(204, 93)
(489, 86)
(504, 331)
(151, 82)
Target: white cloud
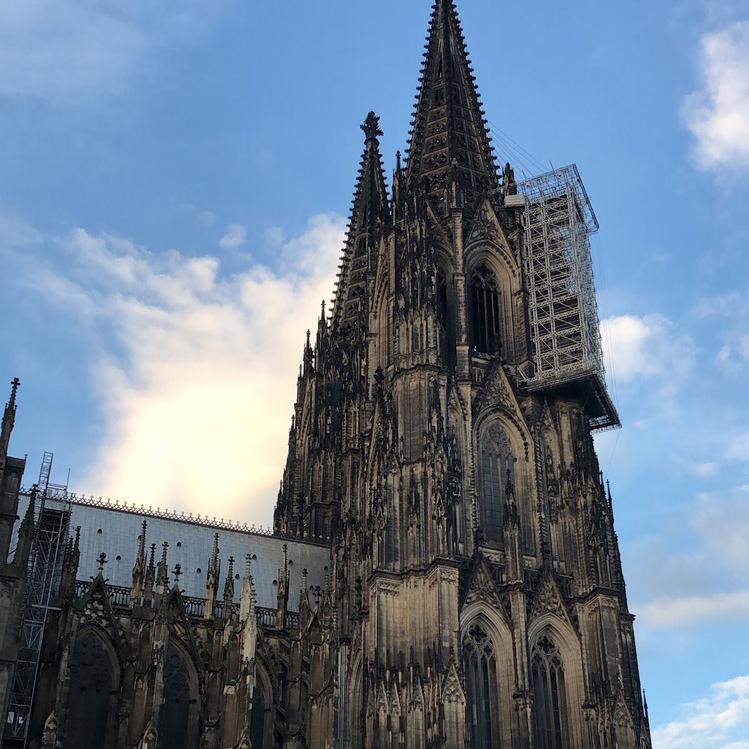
(730, 304)
(718, 114)
(206, 217)
(649, 346)
(735, 353)
(645, 346)
(738, 448)
(718, 721)
(690, 611)
(704, 469)
(195, 371)
(61, 49)
(235, 237)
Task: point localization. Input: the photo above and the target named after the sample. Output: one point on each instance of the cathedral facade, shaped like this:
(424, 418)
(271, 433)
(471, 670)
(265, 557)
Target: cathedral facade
(441, 485)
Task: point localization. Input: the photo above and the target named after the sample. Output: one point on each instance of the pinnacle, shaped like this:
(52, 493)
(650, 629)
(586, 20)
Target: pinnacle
(369, 212)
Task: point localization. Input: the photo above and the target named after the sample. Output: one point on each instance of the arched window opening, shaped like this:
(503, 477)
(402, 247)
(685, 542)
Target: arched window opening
(482, 691)
(549, 696)
(444, 323)
(485, 312)
(90, 695)
(257, 719)
(175, 709)
(497, 473)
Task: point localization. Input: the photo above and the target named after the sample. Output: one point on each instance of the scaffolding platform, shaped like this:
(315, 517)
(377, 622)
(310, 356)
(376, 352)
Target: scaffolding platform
(563, 312)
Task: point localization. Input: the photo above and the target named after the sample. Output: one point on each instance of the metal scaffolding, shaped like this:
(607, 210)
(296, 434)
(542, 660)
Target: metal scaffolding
(43, 573)
(563, 313)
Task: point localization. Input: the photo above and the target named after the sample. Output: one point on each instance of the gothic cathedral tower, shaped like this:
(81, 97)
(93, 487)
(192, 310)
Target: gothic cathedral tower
(442, 443)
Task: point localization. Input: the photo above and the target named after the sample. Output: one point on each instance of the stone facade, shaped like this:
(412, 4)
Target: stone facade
(474, 594)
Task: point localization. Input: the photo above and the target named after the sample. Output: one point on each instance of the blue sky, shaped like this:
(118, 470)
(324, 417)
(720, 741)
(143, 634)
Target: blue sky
(173, 185)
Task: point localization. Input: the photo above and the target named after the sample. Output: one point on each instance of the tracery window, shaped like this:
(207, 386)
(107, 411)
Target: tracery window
(175, 709)
(89, 698)
(497, 471)
(485, 311)
(549, 696)
(482, 704)
(443, 320)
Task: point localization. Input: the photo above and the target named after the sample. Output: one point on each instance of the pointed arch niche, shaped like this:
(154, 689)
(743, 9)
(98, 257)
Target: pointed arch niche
(486, 646)
(491, 279)
(501, 467)
(179, 714)
(92, 695)
(557, 684)
(261, 717)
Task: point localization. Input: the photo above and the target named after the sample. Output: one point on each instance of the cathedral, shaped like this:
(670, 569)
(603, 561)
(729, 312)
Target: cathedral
(443, 570)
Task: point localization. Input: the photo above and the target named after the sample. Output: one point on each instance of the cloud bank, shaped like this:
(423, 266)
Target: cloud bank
(718, 721)
(195, 372)
(718, 113)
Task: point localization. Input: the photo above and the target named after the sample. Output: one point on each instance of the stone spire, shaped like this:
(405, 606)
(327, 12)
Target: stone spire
(211, 580)
(449, 137)
(247, 597)
(9, 419)
(25, 532)
(150, 577)
(162, 572)
(229, 588)
(369, 212)
(139, 568)
(282, 596)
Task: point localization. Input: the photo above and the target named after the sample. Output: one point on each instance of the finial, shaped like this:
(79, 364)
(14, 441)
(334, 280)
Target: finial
(152, 558)
(14, 385)
(398, 161)
(371, 126)
(102, 560)
(164, 547)
(177, 572)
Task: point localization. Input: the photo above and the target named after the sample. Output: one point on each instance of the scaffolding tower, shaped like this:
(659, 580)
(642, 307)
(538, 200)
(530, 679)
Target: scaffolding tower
(42, 581)
(563, 312)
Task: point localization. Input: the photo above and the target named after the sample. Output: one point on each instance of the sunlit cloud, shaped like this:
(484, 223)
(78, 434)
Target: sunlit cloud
(195, 372)
(648, 347)
(718, 113)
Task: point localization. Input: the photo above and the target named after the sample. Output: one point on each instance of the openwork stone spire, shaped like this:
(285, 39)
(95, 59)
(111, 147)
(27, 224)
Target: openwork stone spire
(369, 213)
(449, 134)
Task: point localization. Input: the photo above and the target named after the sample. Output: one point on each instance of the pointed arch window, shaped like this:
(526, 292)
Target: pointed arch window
(445, 329)
(257, 718)
(175, 716)
(549, 696)
(90, 715)
(497, 470)
(482, 704)
(485, 311)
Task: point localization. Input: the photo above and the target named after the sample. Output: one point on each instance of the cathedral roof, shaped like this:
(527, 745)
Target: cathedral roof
(449, 129)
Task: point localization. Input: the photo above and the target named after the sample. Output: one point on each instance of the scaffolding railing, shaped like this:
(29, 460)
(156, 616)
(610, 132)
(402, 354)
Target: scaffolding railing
(562, 309)
(42, 580)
